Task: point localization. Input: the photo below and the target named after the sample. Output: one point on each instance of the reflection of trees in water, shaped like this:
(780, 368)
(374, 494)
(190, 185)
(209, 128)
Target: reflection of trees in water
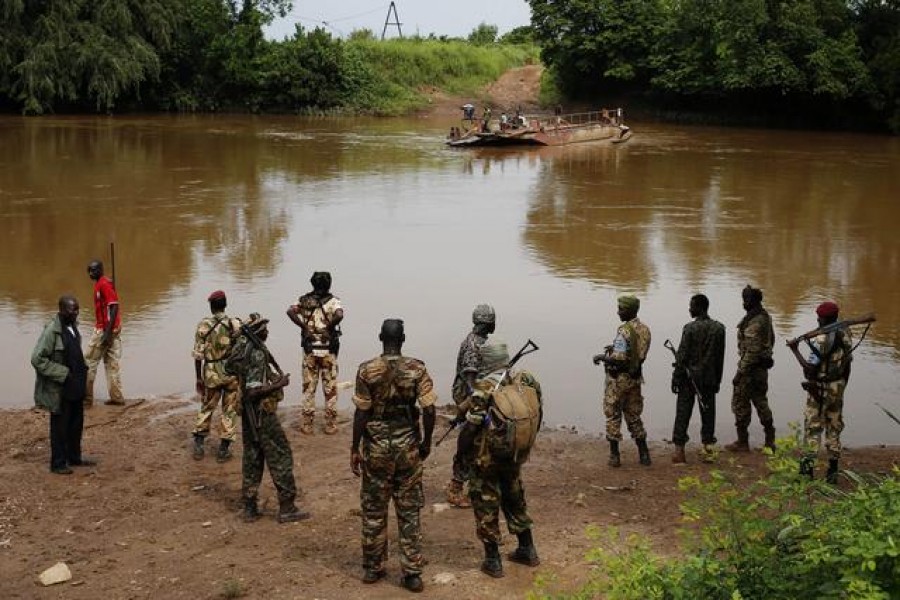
(161, 193)
(804, 216)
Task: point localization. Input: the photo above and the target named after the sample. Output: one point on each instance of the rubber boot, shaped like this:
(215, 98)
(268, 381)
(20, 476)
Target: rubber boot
(643, 452)
(413, 582)
(770, 437)
(491, 564)
(306, 425)
(456, 496)
(526, 554)
(806, 466)
(742, 443)
(330, 427)
(615, 460)
(288, 512)
(678, 456)
(251, 510)
(831, 476)
(198, 447)
(224, 452)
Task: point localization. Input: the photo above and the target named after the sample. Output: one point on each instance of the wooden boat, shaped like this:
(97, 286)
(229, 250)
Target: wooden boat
(549, 131)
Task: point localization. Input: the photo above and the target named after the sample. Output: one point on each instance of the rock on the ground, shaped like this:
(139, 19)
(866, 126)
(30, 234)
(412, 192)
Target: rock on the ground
(58, 573)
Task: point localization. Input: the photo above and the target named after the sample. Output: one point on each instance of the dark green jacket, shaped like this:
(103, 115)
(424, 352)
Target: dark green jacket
(48, 360)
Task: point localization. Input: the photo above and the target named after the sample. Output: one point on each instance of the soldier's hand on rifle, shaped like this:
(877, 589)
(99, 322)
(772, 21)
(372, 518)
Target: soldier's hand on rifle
(676, 383)
(107, 337)
(355, 462)
(284, 381)
(424, 449)
(598, 358)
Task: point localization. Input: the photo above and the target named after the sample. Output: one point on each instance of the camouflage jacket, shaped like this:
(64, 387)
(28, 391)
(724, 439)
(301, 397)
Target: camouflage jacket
(212, 342)
(755, 340)
(260, 373)
(468, 360)
(393, 388)
(830, 355)
(630, 348)
(318, 314)
(702, 351)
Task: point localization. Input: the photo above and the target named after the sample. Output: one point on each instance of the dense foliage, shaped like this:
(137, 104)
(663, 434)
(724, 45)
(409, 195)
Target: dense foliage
(819, 57)
(206, 55)
(782, 537)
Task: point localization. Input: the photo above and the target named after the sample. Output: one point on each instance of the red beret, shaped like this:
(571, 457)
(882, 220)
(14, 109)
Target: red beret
(827, 309)
(216, 295)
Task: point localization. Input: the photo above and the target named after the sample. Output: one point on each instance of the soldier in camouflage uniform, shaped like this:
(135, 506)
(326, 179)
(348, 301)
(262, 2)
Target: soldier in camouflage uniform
(827, 370)
(468, 364)
(623, 361)
(318, 315)
(700, 358)
(390, 389)
(495, 483)
(751, 382)
(212, 342)
(262, 388)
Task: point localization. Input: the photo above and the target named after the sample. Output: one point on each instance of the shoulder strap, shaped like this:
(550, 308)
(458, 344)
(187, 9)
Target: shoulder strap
(213, 328)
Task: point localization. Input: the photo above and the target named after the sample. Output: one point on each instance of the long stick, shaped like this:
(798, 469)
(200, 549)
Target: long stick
(112, 262)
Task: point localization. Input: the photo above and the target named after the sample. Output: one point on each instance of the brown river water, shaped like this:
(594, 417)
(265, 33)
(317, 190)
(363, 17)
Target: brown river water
(412, 229)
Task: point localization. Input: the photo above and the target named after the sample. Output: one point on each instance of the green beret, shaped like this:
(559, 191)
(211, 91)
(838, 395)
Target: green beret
(629, 303)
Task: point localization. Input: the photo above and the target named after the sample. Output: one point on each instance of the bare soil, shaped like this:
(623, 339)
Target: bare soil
(150, 522)
(517, 88)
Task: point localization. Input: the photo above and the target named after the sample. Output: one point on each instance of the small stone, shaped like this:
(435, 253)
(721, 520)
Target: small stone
(444, 578)
(207, 524)
(58, 573)
(580, 500)
(440, 507)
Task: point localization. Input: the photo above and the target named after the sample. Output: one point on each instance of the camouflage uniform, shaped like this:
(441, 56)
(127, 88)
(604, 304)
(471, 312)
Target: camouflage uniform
(702, 352)
(622, 396)
(319, 352)
(496, 484)
(268, 445)
(111, 355)
(755, 340)
(390, 386)
(825, 412)
(468, 360)
(212, 342)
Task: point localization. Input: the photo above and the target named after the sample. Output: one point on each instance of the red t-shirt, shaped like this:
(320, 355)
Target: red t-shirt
(104, 296)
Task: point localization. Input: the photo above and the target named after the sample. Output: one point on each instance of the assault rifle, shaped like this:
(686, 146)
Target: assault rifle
(832, 327)
(525, 350)
(250, 407)
(668, 344)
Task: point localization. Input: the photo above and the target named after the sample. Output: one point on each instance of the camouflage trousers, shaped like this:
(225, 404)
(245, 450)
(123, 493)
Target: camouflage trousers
(314, 367)
(493, 488)
(268, 446)
(825, 414)
(391, 471)
(111, 356)
(751, 389)
(230, 395)
(622, 397)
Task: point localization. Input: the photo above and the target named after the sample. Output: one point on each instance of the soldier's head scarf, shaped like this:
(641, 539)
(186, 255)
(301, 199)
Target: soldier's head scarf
(827, 310)
(321, 281)
(484, 315)
(629, 303)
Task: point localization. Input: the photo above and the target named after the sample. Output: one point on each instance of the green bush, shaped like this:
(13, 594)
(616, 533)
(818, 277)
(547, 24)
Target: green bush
(779, 537)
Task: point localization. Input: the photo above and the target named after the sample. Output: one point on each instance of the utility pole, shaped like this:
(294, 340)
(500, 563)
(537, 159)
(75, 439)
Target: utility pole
(396, 21)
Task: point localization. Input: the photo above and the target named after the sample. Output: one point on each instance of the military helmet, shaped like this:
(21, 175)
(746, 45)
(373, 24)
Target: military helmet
(484, 315)
(494, 357)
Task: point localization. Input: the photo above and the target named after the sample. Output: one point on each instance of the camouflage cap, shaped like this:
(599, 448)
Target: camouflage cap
(484, 315)
(494, 356)
(629, 303)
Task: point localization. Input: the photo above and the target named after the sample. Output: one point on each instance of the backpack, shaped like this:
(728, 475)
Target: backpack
(515, 415)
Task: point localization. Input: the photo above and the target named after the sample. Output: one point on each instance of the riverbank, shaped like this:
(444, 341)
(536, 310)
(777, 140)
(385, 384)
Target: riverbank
(150, 522)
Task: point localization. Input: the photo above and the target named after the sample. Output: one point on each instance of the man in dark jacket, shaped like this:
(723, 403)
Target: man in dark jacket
(60, 386)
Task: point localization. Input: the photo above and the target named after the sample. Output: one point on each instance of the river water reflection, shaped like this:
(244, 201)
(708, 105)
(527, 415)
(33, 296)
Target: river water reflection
(415, 230)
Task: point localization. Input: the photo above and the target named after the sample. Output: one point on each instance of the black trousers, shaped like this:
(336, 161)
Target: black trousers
(683, 410)
(65, 434)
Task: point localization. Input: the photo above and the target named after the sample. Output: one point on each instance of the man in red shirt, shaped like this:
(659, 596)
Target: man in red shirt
(105, 343)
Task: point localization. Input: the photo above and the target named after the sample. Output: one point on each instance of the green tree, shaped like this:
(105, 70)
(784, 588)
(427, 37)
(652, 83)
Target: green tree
(878, 29)
(518, 35)
(483, 35)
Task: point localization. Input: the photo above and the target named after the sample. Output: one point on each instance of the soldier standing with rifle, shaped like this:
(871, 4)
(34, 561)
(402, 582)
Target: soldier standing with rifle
(826, 370)
(262, 388)
(698, 373)
(390, 390)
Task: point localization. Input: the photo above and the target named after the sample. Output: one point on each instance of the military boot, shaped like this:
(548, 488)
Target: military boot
(526, 553)
(770, 437)
(643, 452)
(373, 575)
(491, 564)
(412, 582)
(742, 443)
(288, 512)
(251, 510)
(306, 425)
(806, 466)
(224, 452)
(330, 427)
(831, 476)
(678, 456)
(198, 447)
(456, 496)
(614, 459)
